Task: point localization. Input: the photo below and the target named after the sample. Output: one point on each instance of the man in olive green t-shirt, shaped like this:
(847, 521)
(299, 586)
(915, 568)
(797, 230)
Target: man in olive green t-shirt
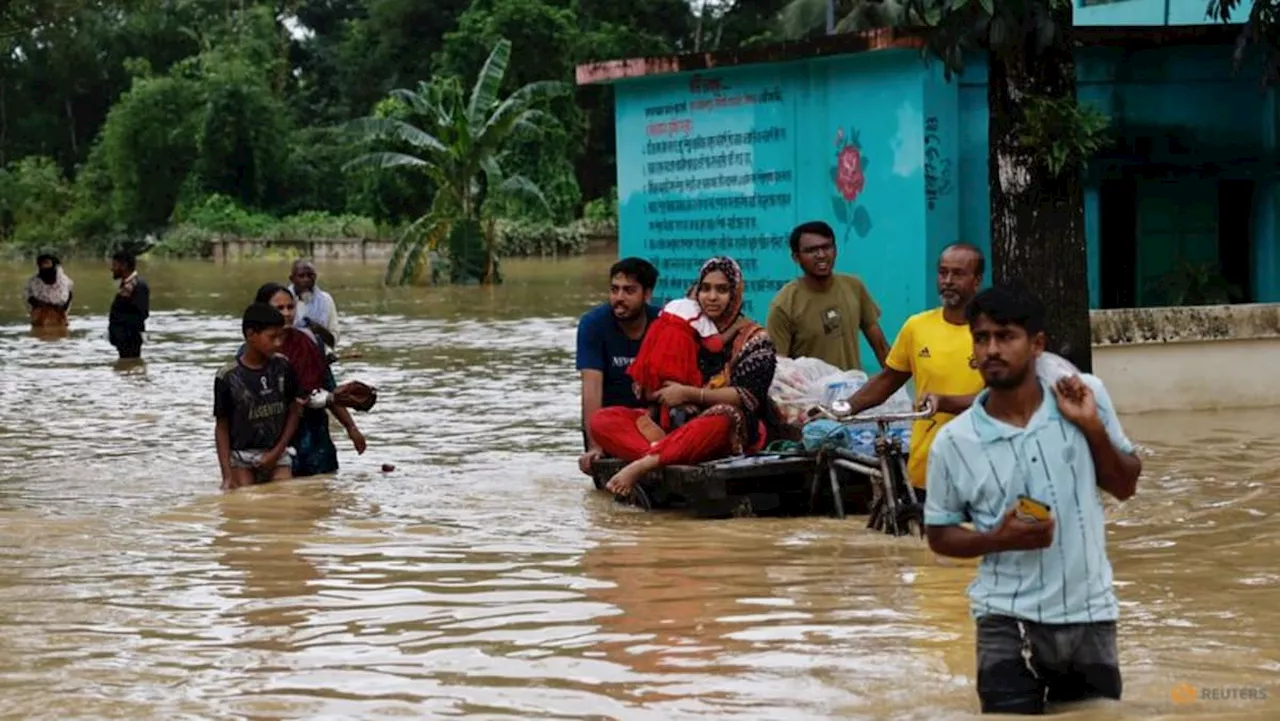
(820, 314)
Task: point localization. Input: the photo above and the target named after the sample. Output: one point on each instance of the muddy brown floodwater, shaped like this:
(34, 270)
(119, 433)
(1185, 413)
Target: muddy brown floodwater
(485, 578)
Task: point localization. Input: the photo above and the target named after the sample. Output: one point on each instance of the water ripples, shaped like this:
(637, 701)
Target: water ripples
(484, 578)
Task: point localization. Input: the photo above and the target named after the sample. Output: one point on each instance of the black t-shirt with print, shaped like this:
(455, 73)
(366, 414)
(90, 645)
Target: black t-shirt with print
(255, 401)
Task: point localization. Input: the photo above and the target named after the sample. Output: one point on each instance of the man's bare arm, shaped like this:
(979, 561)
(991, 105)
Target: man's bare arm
(344, 417)
(291, 420)
(1117, 472)
(878, 389)
(592, 400)
(1013, 534)
(960, 542)
(323, 334)
(222, 442)
(879, 344)
(953, 405)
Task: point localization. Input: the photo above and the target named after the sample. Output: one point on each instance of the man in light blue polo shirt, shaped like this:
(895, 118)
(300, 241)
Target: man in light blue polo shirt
(1043, 597)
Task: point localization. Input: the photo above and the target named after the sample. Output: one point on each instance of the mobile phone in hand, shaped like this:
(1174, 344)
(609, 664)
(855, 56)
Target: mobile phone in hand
(1031, 510)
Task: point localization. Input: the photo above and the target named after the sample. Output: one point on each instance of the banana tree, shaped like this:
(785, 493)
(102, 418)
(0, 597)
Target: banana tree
(458, 141)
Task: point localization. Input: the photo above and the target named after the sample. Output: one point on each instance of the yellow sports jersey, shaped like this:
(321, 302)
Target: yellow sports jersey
(939, 357)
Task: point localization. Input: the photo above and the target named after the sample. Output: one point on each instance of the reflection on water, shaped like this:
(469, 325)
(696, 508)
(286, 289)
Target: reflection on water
(483, 577)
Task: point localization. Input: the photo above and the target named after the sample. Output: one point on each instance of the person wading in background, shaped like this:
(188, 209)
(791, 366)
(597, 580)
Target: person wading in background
(316, 310)
(130, 308)
(49, 293)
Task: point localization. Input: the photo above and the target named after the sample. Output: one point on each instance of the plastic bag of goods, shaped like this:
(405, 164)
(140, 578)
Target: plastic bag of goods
(794, 388)
(859, 438)
(1052, 368)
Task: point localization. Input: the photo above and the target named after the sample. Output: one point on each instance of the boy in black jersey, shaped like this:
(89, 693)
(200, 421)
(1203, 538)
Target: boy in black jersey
(257, 402)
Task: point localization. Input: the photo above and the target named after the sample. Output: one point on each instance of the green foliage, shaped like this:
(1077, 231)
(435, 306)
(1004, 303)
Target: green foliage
(1189, 283)
(603, 211)
(243, 140)
(149, 148)
(222, 216)
(804, 18)
(149, 108)
(468, 259)
(34, 200)
(459, 141)
(522, 238)
(1064, 132)
(219, 217)
(1261, 29)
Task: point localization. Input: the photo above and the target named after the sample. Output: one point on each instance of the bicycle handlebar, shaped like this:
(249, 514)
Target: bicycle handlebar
(840, 411)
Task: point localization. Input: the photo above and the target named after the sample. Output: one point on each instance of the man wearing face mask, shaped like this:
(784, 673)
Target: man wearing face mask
(316, 309)
(935, 349)
(49, 293)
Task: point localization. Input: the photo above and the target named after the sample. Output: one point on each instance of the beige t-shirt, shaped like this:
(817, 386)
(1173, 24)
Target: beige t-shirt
(822, 324)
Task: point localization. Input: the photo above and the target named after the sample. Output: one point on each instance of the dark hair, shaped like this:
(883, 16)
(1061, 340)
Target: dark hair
(980, 265)
(259, 317)
(1008, 304)
(638, 269)
(268, 291)
(813, 227)
(126, 259)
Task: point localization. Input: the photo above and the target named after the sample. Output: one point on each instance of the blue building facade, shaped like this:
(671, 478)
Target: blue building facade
(726, 159)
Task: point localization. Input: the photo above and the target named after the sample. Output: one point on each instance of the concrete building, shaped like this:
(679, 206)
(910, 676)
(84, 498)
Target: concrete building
(726, 152)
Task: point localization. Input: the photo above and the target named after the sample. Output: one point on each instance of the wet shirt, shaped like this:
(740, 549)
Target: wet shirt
(823, 324)
(939, 357)
(602, 346)
(255, 401)
(132, 304)
(978, 466)
(315, 306)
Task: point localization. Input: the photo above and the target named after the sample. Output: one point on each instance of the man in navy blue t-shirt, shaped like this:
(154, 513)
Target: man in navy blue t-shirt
(609, 338)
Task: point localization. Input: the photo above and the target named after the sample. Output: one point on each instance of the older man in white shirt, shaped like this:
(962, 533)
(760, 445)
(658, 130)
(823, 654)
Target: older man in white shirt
(315, 308)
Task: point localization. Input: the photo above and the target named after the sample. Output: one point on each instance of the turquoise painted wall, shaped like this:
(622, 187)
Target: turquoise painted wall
(1167, 87)
(729, 161)
(1150, 12)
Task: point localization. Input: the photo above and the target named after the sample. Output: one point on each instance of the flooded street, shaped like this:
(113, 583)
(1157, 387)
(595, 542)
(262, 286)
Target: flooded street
(484, 577)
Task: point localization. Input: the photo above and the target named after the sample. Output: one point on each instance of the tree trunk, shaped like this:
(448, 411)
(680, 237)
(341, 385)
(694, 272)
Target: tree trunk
(1037, 218)
(71, 120)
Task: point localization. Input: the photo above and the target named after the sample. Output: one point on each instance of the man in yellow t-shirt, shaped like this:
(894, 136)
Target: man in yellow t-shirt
(936, 350)
(822, 313)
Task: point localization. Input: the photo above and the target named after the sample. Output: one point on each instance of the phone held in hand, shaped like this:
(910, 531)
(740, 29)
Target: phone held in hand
(1031, 510)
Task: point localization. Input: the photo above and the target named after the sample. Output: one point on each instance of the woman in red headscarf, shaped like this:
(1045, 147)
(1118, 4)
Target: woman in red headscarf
(733, 400)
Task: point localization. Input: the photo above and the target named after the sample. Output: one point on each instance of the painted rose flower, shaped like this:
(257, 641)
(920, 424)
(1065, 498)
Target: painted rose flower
(849, 177)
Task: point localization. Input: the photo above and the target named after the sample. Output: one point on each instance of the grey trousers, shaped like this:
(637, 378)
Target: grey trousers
(1024, 666)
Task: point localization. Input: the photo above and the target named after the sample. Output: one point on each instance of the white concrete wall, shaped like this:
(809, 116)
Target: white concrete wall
(1194, 358)
(343, 249)
(1198, 375)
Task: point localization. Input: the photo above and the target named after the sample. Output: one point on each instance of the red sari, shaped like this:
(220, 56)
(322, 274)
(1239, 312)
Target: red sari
(299, 346)
(720, 430)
